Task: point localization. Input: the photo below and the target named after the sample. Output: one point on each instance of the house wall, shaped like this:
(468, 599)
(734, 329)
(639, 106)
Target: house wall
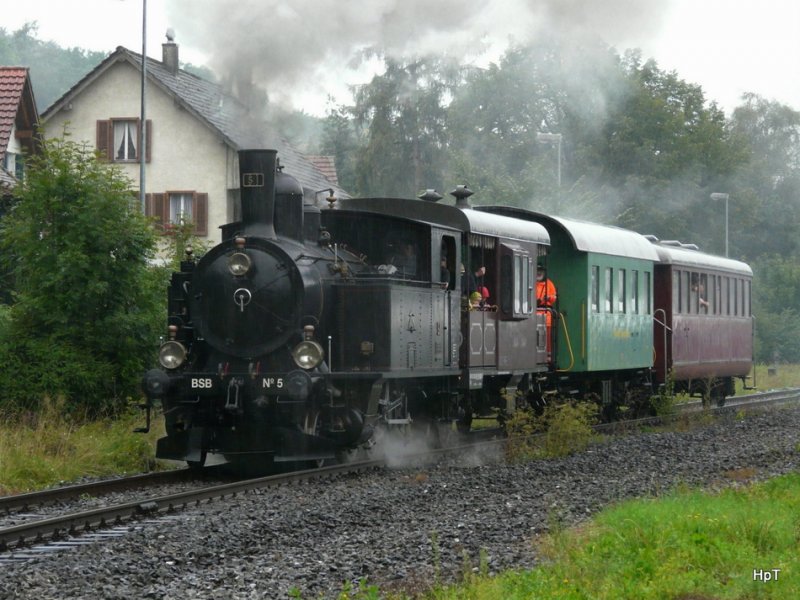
(13, 151)
(186, 155)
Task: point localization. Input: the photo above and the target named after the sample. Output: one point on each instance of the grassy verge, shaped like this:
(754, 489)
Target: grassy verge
(43, 450)
(688, 545)
(770, 377)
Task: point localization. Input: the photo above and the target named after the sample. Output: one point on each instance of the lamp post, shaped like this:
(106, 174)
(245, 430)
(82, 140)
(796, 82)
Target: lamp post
(547, 138)
(143, 117)
(718, 196)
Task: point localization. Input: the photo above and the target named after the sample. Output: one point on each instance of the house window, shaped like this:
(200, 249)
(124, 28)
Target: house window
(118, 140)
(15, 164)
(181, 205)
(172, 208)
(125, 140)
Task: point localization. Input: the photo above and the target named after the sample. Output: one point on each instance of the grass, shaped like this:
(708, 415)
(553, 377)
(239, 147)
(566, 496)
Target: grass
(770, 377)
(688, 545)
(43, 450)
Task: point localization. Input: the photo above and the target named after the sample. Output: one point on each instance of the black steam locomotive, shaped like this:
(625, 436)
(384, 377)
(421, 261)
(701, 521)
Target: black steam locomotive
(306, 331)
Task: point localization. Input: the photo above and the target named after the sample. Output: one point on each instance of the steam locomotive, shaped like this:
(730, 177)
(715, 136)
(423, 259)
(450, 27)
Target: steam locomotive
(306, 331)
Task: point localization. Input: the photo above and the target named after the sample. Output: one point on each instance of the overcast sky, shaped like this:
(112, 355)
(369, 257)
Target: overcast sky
(728, 47)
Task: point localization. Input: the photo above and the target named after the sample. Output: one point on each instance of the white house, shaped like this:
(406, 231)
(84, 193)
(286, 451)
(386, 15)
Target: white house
(18, 121)
(193, 132)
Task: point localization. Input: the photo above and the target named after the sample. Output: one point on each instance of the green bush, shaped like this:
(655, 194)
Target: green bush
(566, 428)
(86, 306)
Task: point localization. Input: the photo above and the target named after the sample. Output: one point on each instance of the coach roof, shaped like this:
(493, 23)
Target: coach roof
(467, 220)
(588, 237)
(679, 255)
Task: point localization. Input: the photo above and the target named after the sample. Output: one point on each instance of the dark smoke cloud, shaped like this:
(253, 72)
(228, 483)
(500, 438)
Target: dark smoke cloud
(285, 46)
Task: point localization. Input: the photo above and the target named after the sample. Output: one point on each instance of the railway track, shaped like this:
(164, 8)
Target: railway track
(25, 540)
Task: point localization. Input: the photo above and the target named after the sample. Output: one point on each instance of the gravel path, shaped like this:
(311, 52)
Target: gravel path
(400, 526)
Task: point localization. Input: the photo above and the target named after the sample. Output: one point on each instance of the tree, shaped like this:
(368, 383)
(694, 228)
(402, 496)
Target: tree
(402, 114)
(340, 140)
(54, 69)
(86, 306)
(768, 185)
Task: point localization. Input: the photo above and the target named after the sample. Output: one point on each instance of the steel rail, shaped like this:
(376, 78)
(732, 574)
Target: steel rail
(72, 524)
(99, 488)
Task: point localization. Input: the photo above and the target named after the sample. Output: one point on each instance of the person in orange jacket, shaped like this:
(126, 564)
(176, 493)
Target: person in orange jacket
(545, 301)
(545, 290)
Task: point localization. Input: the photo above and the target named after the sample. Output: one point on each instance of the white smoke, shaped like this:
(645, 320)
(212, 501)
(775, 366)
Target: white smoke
(314, 45)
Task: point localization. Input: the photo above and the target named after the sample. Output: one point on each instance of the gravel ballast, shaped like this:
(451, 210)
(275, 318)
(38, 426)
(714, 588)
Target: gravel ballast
(398, 527)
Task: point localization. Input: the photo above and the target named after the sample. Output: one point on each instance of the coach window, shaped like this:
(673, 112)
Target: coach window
(621, 290)
(506, 273)
(676, 291)
(635, 291)
(647, 293)
(517, 284)
(527, 285)
(595, 288)
(740, 298)
(744, 298)
(711, 297)
(748, 311)
(609, 290)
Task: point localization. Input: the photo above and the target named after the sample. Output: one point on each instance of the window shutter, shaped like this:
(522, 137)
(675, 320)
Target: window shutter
(161, 209)
(201, 214)
(148, 205)
(104, 139)
(148, 140)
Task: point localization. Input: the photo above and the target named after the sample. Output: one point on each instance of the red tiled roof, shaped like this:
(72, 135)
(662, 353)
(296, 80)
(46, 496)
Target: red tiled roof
(12, 84)
(325, 165)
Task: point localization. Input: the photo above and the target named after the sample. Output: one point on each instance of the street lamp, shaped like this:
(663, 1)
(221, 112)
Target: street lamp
(143, 117)
(547, 138)
(718, 196)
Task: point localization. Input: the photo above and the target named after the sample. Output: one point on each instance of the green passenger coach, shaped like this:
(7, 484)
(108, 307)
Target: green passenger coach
(602, 329)
(604, 278)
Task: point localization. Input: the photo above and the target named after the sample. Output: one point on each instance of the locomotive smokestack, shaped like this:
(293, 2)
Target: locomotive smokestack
(257, 189)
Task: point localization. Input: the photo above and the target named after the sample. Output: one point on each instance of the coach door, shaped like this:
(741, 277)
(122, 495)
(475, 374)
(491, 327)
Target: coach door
(446, 297)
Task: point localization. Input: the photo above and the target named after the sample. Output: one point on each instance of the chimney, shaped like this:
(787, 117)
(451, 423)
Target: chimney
(257, 189)
(169, 53)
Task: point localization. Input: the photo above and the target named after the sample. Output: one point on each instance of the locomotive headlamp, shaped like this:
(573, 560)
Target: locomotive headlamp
(171, 354)
(307, 354)
(239, 264)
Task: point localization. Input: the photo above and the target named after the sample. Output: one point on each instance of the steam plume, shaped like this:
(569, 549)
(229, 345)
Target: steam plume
(285, 46)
